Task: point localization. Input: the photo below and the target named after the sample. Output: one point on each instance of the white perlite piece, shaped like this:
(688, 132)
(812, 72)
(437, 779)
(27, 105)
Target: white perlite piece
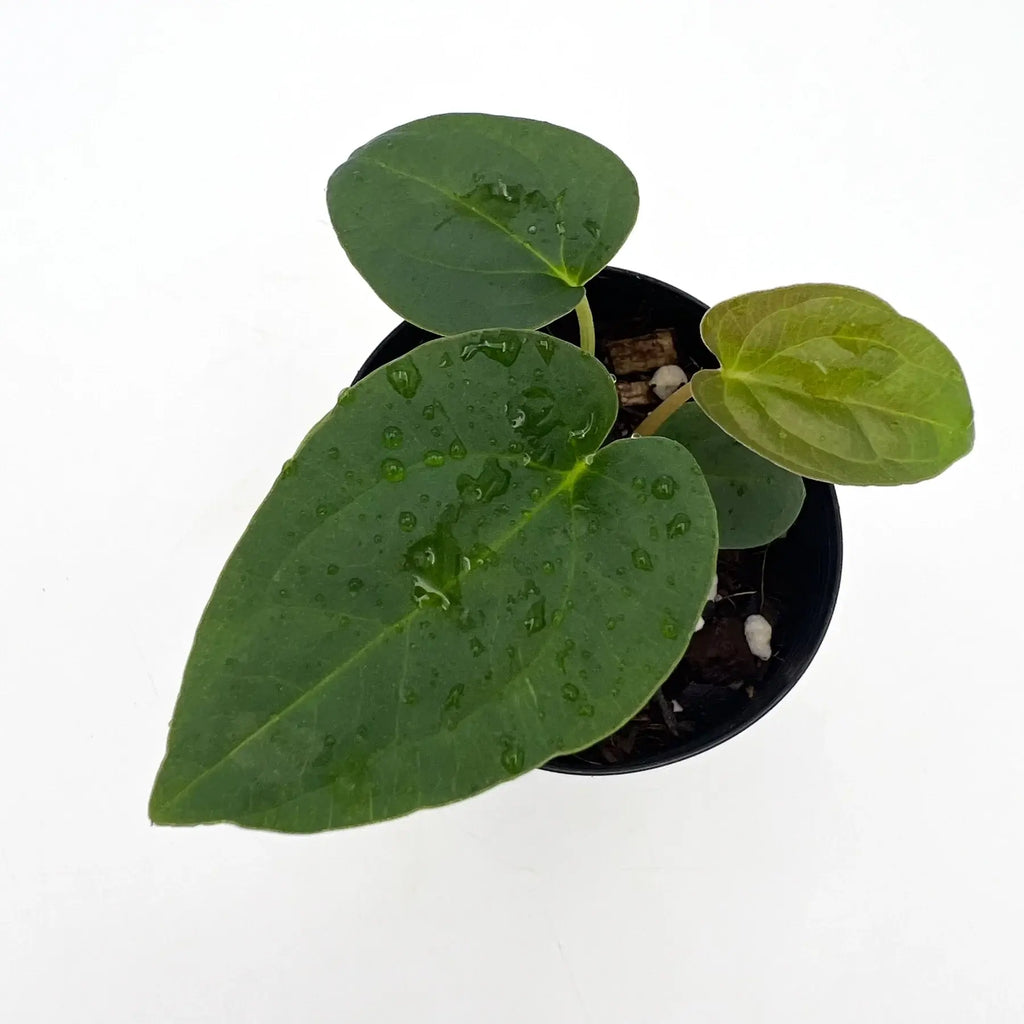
(758, 631)
(700, 623)
(666, 380)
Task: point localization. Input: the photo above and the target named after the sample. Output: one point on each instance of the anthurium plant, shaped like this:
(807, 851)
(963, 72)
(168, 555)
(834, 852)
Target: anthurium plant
(454, 578)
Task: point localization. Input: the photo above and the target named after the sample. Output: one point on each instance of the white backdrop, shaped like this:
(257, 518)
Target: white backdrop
(175, 313)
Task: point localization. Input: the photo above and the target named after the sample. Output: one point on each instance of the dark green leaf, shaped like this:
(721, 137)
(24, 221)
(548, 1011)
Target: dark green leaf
(447, 586)
(462, 221)
(756, 500)
(836, 386)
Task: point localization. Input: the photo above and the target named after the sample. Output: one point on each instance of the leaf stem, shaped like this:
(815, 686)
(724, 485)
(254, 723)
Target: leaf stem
(676, 400)
(588, 340)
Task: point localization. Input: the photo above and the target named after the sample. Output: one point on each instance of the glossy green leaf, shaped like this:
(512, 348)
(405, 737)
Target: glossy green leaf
(447, 585)
(832, 383)
(756, 500)
(463, 221)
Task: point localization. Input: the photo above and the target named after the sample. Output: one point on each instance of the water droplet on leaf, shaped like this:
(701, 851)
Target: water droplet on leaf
(581, 432)
(404, 377)
(642, 559)
(492, 481)
(501, 346)
(480, 555)
(512, 758)
(535, 620)
(678, 524)
(663, 487)
(566, 649)
(435, 561)
(546, 348)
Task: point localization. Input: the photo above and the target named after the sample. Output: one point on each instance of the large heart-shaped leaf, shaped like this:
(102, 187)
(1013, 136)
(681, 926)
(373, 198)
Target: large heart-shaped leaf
(832, 383)
(756, 500)
(447, 586)
(462, 221)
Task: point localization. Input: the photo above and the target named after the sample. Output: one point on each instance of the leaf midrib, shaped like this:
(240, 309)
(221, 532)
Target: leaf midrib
(744, 377)
(568, 481)
(562, 273)
(785, 349)
(520, 671)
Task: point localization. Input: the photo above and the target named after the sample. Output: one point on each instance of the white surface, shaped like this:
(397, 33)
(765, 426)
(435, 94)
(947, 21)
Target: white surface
(175, 313)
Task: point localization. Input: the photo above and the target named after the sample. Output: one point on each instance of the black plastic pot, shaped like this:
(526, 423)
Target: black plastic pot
(805, 565)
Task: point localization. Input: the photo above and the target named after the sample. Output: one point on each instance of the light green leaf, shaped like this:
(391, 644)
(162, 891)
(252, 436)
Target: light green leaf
(756, 500)
(462, 221)
(448, 585)
(835, 387)
(727, 326)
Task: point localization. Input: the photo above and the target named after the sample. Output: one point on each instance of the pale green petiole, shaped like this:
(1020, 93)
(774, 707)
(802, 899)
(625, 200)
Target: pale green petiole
(586, 319)
(654, 420)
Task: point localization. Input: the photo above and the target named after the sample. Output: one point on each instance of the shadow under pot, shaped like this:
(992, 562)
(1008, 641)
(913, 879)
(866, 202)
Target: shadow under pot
(719, 688)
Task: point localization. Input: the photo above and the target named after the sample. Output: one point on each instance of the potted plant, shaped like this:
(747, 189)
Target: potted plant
(456, 579)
